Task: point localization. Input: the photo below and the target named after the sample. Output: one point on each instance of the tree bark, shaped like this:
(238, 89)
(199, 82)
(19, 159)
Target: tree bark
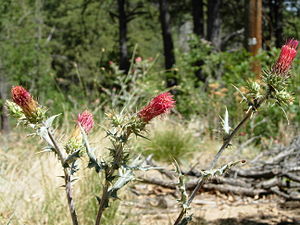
(255, 32)
(166, 34)
(124, 62)
(278, 22)
(164, 17)
(198, 17)
(214, 22)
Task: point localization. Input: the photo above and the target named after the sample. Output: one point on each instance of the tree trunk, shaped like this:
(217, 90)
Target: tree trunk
(167, 40)
(124, 62)
(278, 23)
(198, 18)
(269, 35)
(3, 111)
(214, 22)
(255, 32)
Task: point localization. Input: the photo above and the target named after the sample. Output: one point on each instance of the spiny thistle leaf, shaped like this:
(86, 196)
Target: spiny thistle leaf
(47, 149)
(222, 170)
(225, 122)
(72, 157)
(93, 163)
(48, 123)
(181, 186)
(125, 176)
(43, 133)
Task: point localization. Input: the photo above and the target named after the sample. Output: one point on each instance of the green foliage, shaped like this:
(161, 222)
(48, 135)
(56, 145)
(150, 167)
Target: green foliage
(168, 141)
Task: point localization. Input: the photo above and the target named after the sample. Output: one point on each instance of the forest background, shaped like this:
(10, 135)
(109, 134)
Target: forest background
(77, 54)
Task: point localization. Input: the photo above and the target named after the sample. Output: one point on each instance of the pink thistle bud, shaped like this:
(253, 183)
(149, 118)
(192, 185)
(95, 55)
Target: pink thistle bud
(159, 105)
(286, 57)
(86, 120)
(138, 59)
(110, 63)
(22, 97)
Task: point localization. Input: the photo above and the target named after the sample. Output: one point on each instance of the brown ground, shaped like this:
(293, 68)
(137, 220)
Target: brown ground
(157, 206)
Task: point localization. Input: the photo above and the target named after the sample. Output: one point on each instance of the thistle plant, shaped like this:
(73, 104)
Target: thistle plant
(28, 112)
(117, 170)
(272, 88)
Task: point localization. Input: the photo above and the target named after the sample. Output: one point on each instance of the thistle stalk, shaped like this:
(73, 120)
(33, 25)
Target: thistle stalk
(108, 174)
(159, 105)
(67, 179)
(226, 143)
(274, 81)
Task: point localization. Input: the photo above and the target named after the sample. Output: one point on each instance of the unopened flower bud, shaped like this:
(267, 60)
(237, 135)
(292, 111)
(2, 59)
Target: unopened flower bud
(286, 58)
(23, 99)
(159, 105)
(86, 120)
(138, 59)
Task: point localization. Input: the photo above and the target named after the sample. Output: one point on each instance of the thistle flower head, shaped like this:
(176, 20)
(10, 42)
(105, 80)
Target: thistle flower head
(286, 57)
(138, 59)
(158, 105)
(86, 120)
(23, 98)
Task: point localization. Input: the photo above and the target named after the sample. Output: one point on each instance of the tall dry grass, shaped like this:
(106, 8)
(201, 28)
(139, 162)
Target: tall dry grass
(31, 189)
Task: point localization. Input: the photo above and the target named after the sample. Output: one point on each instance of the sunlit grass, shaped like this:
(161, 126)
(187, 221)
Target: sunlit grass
(169, 141)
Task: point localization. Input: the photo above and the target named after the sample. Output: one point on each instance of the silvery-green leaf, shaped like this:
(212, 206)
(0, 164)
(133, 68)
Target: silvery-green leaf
(222, 170)
(47, 149)
(225, 122)
(74, 167)
(43, 133)
(49, 121)
(124, 177)
(93, 162)
(70, 158)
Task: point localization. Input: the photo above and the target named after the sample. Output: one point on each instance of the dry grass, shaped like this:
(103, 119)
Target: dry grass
(30, 186)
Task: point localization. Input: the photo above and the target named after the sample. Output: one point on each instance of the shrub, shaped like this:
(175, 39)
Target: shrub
(168, 141)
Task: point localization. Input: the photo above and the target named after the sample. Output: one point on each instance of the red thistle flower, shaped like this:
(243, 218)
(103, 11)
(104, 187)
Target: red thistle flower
(286, 57)
(23, 98)
(159, 105)
(86, 120)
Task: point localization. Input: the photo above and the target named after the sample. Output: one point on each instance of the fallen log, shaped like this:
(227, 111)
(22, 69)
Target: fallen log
(278, 172)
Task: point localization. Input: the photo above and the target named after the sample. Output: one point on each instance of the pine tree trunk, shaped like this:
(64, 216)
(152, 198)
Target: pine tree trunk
(167, 41)
(197, 12)
(198, 18)
(278, 23)
(124, 62)
(214, 22)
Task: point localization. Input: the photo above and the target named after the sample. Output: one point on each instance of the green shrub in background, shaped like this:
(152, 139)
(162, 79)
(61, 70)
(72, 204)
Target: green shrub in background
(169, 140)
